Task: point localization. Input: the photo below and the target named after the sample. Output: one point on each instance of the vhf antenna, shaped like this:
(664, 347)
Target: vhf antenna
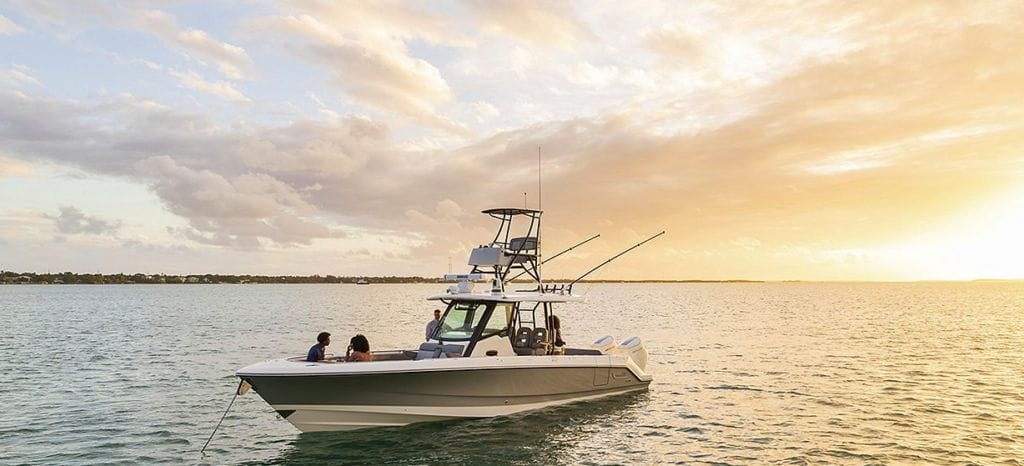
(540, 279)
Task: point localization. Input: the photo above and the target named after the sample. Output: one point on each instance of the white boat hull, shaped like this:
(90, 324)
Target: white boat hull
(348, 396)
(318, 418)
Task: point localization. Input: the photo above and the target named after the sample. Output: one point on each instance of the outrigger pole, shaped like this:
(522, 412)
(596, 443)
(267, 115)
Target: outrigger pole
(581, 243)
(613, 258)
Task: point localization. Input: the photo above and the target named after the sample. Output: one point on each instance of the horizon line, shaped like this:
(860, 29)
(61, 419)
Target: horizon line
(428, 279)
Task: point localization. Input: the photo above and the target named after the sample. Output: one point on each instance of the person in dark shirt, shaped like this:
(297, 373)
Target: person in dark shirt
(556, 330)
(316, 352)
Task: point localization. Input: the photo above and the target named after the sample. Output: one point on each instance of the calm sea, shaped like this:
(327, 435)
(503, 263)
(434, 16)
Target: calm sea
(791, 373)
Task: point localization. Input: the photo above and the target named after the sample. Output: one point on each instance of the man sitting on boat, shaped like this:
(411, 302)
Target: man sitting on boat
(316, 352)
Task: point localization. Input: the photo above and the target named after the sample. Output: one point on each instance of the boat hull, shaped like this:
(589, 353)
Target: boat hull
(347, 401)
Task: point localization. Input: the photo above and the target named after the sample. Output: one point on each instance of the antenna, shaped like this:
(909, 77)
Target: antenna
(524, 201)
(539, 193)
(540, 279)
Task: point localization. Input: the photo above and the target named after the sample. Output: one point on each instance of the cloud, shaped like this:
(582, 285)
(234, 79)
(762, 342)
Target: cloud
(485, 110)
(73, 221)
(449, 208)
(787, 132)
(231, 60)
(745, 242)
(538, 23)
(8, 27)
(17, 76)
(237, 211)
(222, 89)
(677, 44)
(9, 167)
(365, 51)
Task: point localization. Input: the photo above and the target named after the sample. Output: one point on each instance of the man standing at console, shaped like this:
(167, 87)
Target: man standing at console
(432, 325)
(316, 352)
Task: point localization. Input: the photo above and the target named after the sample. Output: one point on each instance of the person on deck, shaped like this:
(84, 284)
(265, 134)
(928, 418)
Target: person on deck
(316, 352)
(359, 350)
(432, 325)
(556, 331)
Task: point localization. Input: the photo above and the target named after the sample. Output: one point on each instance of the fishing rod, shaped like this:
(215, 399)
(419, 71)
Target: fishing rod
(581, 243)
(613, 258)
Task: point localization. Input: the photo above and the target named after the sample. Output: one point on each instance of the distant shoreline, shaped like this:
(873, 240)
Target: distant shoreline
(70, 278)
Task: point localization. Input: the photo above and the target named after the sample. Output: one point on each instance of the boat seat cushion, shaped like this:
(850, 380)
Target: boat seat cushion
(436, 350)
(524, 338)
(540, 338)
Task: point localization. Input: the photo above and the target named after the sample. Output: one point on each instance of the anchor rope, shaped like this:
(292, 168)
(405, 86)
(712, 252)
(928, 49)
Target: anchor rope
(203, 450)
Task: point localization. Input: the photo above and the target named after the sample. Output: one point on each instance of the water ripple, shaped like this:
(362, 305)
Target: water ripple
(798, 373)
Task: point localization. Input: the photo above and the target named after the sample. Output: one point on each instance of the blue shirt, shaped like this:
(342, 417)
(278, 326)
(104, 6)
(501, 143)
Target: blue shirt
(316, 353)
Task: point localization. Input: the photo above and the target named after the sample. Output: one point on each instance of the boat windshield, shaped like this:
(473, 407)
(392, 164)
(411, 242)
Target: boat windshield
(499, 320)
(461, 320)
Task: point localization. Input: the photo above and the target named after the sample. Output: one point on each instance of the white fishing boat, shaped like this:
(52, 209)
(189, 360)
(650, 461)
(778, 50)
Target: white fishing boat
(496, 352)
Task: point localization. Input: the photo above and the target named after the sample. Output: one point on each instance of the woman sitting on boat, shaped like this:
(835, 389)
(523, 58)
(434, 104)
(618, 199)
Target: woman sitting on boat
(359, 350)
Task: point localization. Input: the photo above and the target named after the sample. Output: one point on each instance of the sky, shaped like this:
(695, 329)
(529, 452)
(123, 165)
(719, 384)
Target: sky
(770, 140)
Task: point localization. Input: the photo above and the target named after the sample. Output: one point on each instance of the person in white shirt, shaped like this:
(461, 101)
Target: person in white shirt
(432, 325)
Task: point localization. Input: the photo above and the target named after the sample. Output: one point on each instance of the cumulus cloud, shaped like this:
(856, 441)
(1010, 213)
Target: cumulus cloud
(72, 221)
(371, 65)
(237, 211)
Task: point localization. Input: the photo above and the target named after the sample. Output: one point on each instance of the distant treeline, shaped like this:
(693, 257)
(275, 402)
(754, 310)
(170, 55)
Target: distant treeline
(120, 278)
(67, 278)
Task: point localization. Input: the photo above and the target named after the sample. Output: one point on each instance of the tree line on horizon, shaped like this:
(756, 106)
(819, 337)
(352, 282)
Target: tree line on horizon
(9, 277)
(71, 278)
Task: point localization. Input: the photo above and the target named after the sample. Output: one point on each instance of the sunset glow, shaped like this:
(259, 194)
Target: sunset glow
(825, 141)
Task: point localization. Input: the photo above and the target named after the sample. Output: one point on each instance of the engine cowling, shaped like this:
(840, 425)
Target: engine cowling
(635, 350)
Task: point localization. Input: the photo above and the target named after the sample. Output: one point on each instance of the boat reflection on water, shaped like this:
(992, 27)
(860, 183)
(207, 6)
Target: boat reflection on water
(533, 437)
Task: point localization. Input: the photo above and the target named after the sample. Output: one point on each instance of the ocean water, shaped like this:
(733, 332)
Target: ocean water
(790, 373)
